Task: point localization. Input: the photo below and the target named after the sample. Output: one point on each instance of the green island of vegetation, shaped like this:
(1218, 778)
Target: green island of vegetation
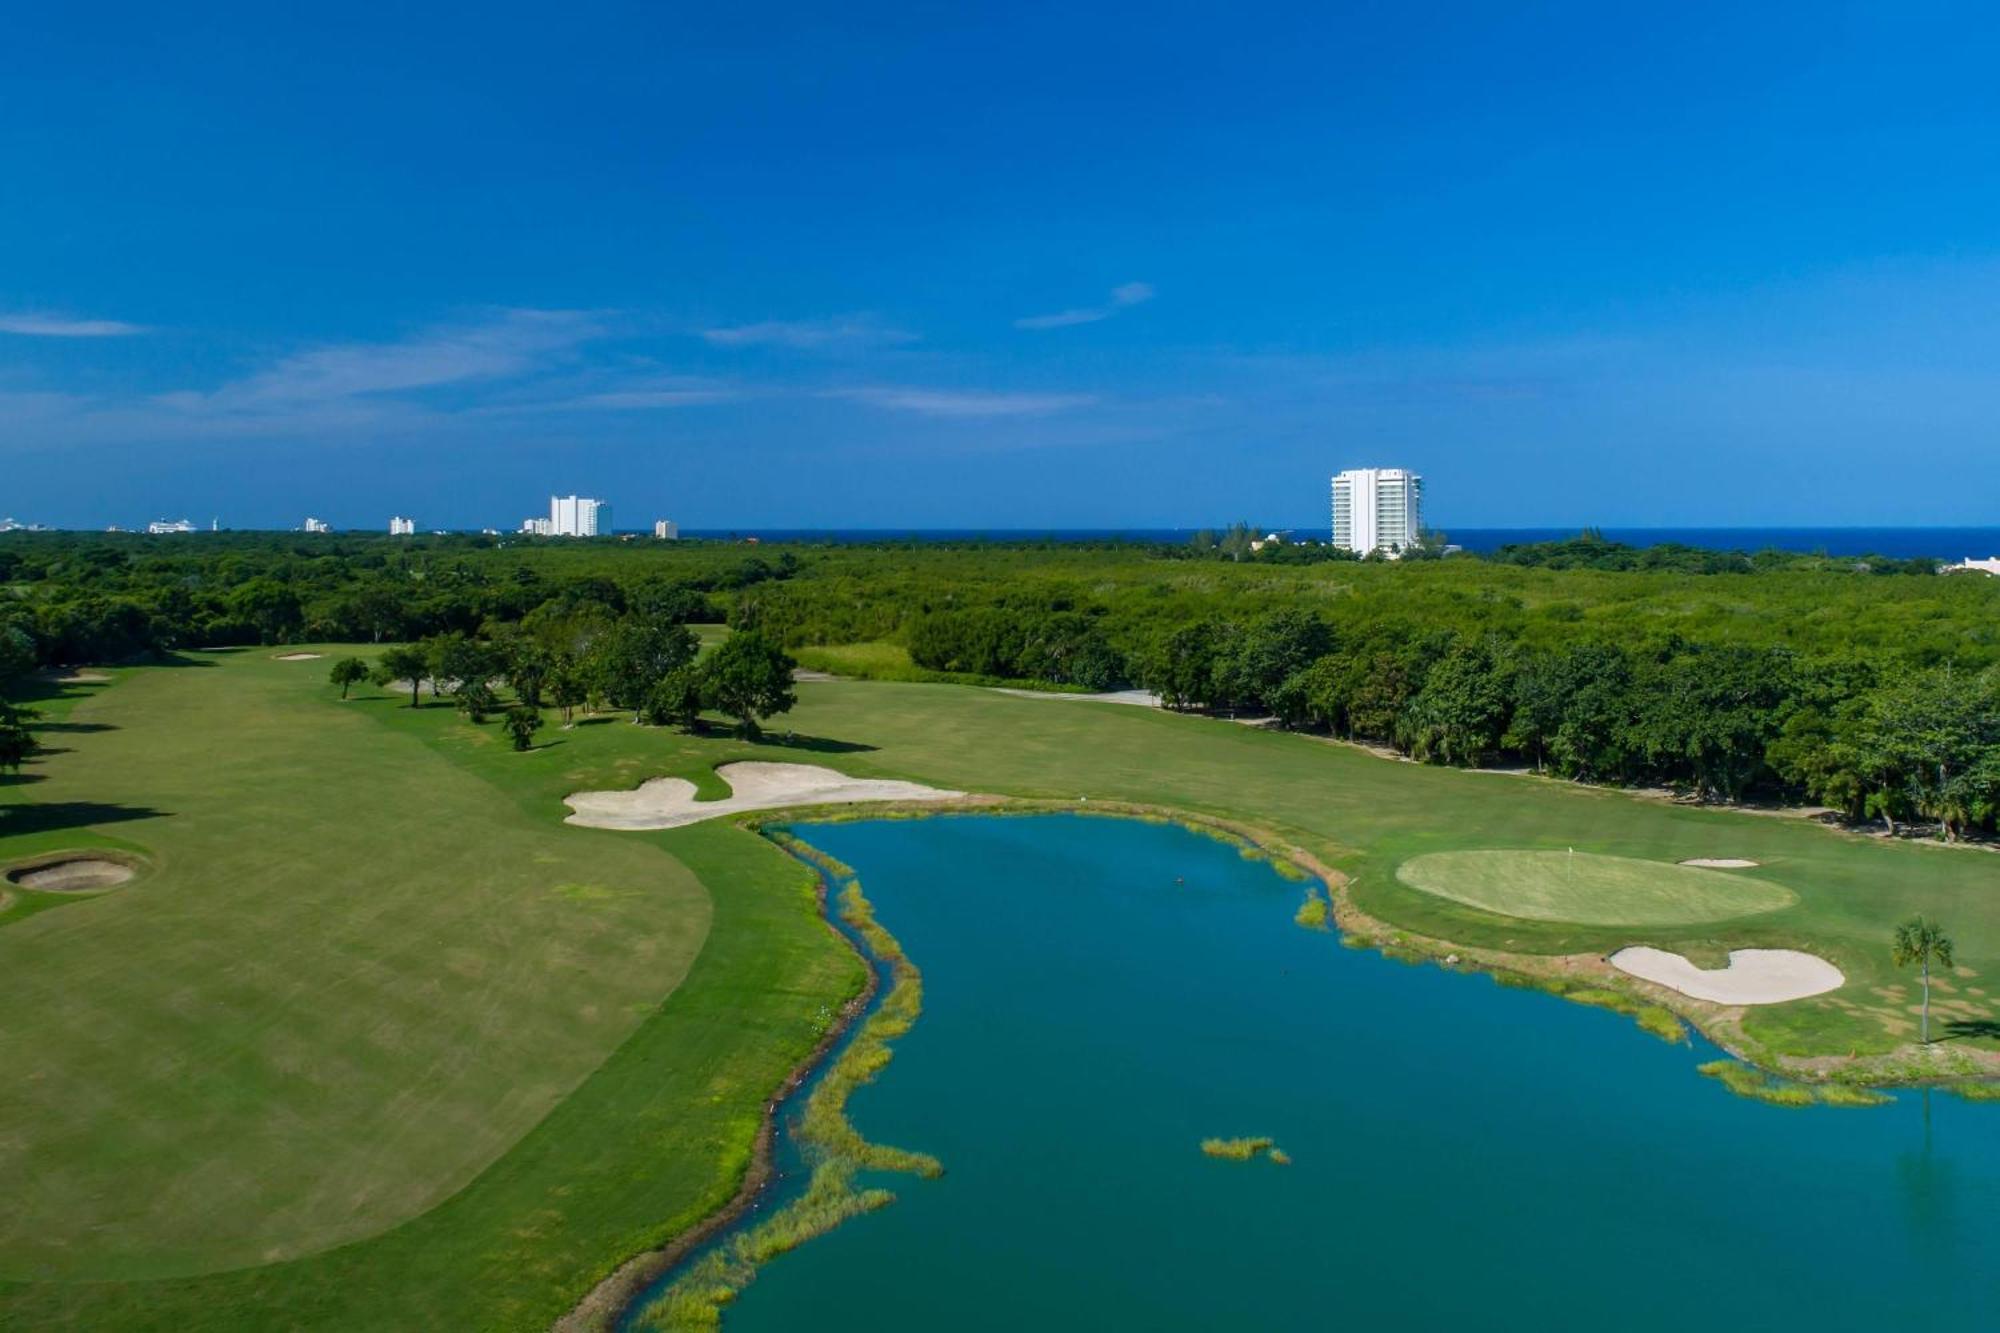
(371, 1038)
(1244, 1150)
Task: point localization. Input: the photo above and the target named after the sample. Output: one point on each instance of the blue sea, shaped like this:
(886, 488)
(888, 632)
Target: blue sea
(1940, 543)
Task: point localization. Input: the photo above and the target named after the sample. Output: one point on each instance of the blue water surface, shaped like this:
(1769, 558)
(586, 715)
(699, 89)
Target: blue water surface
(1102, 994)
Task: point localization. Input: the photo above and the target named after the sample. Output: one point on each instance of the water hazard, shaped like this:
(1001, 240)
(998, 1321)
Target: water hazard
(1101, 995)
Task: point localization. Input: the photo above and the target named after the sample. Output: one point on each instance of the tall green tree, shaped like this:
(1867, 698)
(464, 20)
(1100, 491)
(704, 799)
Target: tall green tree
(566, 688)
(636, 656)
(17, 743)
(522, 722)
(407, 663)
(677, 700)
(347, 673)
(1922, 941)
(749, 677)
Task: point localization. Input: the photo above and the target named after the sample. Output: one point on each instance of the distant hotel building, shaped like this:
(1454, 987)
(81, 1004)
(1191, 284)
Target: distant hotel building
(318, 525)
(1377, 509)
(160, 526)
(571, 516)
(666, 529)
(402, 527)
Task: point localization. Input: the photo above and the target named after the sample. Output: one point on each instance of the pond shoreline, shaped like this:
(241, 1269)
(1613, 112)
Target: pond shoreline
(611, 1301)
(608, 1303)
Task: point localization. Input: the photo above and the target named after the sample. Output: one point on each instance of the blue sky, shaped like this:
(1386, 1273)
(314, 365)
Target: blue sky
(1011, 266)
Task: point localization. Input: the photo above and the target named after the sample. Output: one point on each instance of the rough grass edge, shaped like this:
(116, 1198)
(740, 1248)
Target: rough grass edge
(836, 1149)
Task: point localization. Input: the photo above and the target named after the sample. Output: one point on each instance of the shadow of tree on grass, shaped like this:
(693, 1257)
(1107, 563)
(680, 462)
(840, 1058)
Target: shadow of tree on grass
(50, 816)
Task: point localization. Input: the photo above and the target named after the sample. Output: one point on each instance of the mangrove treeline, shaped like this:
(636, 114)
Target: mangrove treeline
(1868, 685)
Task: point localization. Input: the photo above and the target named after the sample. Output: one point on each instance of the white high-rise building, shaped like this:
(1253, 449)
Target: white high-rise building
(1377, 509)
(575, 516)
(318, 525)
(402, 527)
(666, 529)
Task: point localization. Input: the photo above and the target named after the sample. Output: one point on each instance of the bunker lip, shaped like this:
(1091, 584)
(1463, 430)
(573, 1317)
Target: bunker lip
(71, 872)
(1754, 976)
(663, 803)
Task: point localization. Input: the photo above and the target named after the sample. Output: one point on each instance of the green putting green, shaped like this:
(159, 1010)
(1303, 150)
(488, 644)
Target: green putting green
(1590, 890)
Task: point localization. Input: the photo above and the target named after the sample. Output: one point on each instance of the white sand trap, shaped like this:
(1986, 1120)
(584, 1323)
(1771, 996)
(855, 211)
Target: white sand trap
(670, 803)
(73, 876)
(1720, 862)
(1754, 976)
(299, 657)
(1140, 698)
(76, 677)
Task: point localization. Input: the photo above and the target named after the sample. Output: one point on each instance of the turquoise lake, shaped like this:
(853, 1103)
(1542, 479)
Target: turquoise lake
(1102, 994)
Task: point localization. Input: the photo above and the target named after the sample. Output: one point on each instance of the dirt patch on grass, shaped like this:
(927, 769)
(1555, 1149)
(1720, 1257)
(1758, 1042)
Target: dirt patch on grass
(72, 874)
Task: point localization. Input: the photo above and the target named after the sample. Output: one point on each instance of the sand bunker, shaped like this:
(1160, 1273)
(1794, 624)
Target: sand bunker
(72, 876)
(670, 803)
(1720, 863)
(1142, 698)
(299, 657)
(76, 677)
(1754, 976)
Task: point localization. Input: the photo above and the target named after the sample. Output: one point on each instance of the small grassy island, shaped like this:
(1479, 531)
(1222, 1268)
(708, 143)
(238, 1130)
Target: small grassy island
(337, 1024)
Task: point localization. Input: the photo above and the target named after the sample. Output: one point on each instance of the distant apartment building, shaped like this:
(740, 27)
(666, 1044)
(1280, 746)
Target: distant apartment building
(318, 525)
(666, 529)
(161, 526)
(572, 516)
(1377, 509)
(402, 527)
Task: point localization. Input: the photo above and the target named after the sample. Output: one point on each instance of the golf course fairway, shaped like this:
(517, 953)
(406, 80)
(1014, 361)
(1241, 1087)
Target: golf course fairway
(373, 1039)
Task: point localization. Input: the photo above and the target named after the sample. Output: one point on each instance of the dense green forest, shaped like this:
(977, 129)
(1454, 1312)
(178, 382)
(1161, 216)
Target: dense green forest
(1869, 685)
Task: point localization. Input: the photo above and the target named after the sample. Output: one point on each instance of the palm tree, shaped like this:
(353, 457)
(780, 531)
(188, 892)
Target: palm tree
(1919, 940)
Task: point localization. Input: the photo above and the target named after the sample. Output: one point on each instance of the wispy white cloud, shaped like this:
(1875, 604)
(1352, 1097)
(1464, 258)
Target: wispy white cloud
(510, 344)
(60, 326)
(846, 331)
(643, 399)
(1122, 297)
(948, 403)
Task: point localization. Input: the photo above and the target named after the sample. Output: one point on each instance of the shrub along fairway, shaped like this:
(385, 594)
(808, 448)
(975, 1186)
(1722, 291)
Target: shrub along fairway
(374, 991)
(1590, 890)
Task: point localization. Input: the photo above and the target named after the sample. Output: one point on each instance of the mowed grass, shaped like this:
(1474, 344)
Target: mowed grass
(351, 979)
(1588, 889)
(649, 1132)
(655, 1136)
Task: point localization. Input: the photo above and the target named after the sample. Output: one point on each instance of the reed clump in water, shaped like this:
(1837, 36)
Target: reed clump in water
(1238, 1150)
(836, 1149)
(1312, 913)
(1746, 1081)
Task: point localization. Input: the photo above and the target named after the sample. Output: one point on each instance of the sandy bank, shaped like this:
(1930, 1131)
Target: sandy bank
(754, 785)
(1141, 698)
(1754, 976)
